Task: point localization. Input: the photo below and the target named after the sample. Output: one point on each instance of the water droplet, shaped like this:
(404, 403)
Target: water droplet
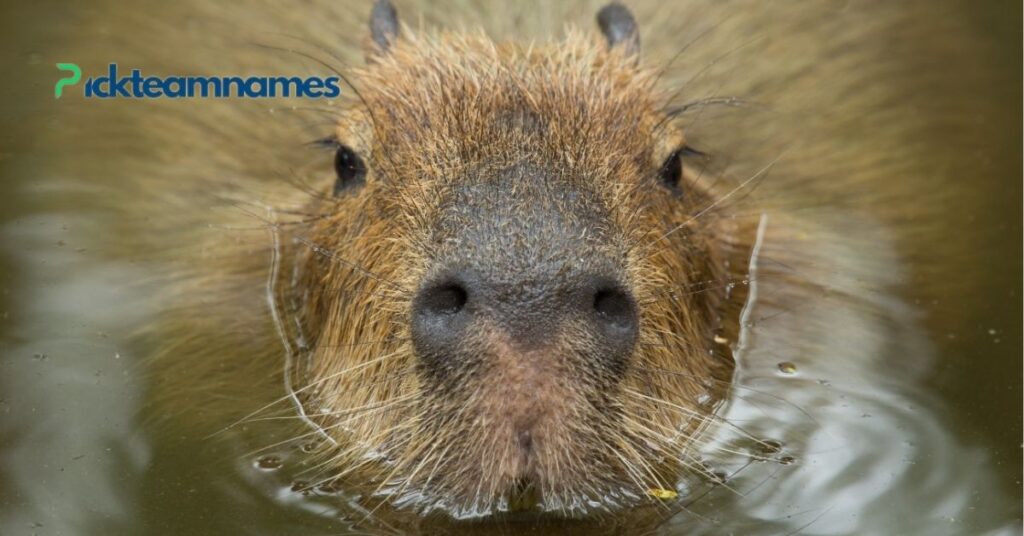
(269, 463)
(787, 367)
(328, 488)
(769, 446)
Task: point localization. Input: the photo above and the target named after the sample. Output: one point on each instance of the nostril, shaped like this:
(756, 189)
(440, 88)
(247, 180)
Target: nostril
(615, 307)
(444, 299)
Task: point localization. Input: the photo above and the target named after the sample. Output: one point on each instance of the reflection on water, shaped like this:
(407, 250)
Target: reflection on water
(847, 416)
(71, 450)
(859, 445)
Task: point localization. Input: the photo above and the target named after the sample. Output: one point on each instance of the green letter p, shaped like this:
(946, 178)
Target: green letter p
(73, 78)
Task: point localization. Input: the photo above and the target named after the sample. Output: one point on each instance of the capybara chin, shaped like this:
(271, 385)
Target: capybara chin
(498, 292)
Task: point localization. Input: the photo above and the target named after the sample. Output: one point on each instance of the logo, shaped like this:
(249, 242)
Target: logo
(137, 86)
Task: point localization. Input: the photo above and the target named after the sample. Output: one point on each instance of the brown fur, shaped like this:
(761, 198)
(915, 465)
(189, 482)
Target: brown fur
(430, 110)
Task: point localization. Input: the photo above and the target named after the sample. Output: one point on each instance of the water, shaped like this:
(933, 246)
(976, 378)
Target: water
(889, 399)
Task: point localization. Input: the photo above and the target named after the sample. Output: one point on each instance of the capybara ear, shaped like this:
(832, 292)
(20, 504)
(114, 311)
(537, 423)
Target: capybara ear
(619, 28)
(383, 29)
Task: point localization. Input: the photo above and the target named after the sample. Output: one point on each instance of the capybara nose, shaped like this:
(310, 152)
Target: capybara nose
(449, 310)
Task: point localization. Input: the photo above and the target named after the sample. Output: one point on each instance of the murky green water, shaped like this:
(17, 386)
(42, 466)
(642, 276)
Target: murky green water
(893, 386)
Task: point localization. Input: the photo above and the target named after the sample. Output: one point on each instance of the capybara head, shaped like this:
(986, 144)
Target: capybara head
(508, 298)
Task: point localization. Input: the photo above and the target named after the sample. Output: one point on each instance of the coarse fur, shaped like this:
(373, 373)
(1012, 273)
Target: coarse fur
(437, 114)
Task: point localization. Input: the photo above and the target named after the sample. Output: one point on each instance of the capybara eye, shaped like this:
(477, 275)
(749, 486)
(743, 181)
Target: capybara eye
(350, 169)
(671, 172)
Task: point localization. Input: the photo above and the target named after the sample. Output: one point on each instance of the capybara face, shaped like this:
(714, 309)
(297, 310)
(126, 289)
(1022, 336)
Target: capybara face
(509, 294)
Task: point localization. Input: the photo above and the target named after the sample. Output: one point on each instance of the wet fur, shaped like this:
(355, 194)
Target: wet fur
(435, 114)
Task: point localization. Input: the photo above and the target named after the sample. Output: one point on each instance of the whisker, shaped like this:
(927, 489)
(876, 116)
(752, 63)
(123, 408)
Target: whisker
(285, 398)
(733, 385)
(742, 185)
(323, 251)
(318, 431)
(690, 412)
